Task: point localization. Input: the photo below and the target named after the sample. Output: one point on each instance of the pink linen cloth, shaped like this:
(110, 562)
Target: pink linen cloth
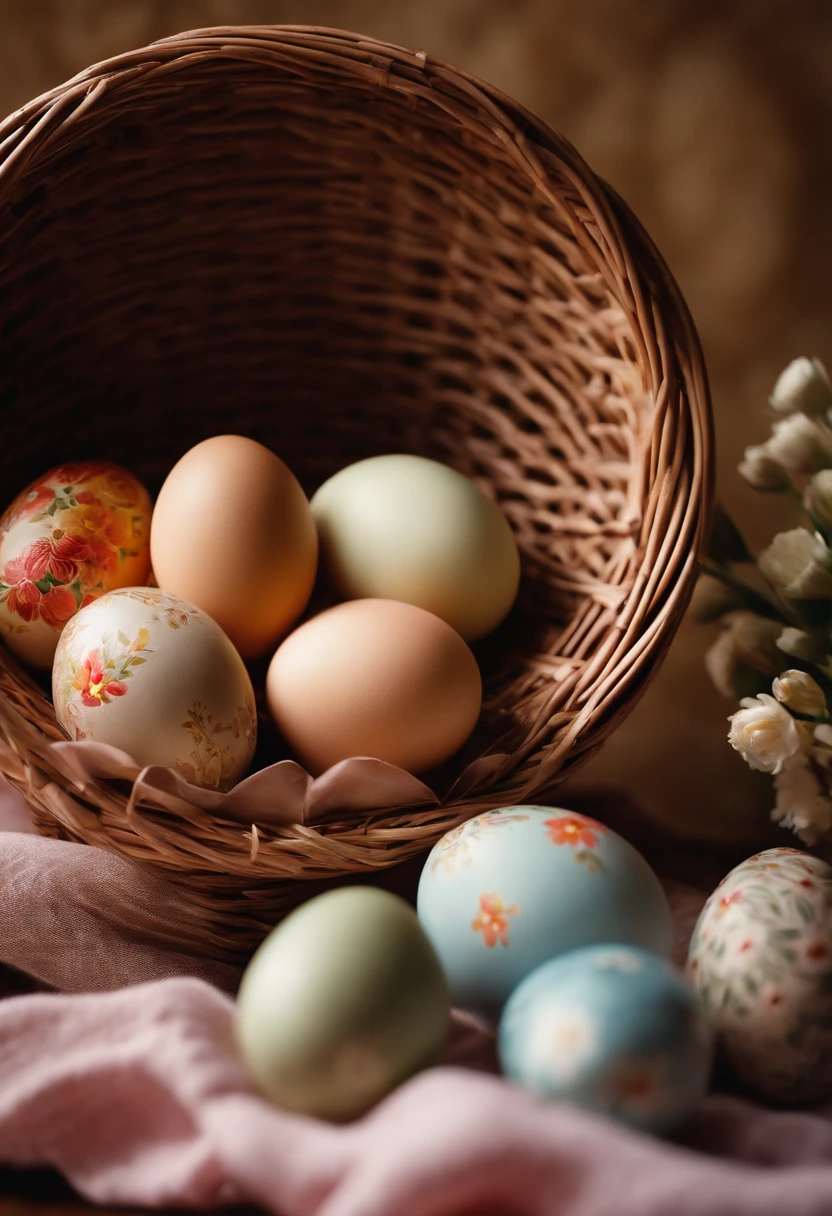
(127, 1081)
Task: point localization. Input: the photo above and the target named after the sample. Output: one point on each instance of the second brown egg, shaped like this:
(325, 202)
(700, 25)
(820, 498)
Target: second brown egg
(233, 533)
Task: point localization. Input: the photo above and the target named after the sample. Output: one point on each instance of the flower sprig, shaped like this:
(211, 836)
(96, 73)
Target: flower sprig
(774, 650)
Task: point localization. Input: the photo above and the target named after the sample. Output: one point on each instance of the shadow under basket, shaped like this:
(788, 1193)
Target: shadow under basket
(343, 248)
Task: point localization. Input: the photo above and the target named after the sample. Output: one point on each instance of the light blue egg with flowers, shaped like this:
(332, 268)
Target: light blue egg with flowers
(514, 887)
(613, 1030)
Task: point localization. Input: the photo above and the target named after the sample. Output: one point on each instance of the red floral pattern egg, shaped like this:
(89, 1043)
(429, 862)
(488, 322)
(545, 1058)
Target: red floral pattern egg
(77, 532)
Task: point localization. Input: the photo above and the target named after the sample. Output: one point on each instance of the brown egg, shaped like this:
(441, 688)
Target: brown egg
(374, 678)
(233, 533)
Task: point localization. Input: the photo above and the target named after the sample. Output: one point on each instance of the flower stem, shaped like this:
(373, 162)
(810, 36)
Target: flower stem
(756, 601)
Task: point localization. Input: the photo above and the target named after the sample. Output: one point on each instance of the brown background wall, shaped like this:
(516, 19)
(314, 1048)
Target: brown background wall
(714, 119)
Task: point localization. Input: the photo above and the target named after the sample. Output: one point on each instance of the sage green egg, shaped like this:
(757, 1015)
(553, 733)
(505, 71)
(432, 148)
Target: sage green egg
(342, 1002)
(406, 528)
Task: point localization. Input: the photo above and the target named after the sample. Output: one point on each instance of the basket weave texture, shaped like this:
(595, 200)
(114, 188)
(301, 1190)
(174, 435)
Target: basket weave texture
(341, 248)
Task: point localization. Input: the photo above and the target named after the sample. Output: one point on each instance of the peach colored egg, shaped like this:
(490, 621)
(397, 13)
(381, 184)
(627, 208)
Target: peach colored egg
(77, 532)
(233, 534)
(376, 678)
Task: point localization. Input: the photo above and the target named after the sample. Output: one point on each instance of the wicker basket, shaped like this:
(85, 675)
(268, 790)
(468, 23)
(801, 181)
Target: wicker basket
(342, 248)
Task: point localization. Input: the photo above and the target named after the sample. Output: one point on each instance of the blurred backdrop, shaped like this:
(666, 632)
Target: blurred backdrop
(713, 118)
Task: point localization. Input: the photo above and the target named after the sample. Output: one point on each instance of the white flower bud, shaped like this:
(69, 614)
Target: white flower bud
(797, 563)
(802, 804)
(817, 498)
(765, 734)
(759, 468)
(800, 445)
(744, 652)
(800, 693)
(801, 645)
(804, 386)
(721, 664)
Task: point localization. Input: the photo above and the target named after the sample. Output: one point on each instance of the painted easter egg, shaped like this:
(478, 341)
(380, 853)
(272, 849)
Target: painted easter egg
(613, 1030)
(342, 1002)
(761, 960)
(511, 888)
(150, 674)
(76, 533)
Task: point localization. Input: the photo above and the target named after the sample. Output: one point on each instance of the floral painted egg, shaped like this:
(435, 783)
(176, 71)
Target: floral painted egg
(150, 674)
(79, 531)
(611, 1029)
(511, 888)
(761, 959)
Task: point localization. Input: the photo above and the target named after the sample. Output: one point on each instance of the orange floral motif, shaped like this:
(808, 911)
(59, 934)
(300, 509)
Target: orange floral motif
(575, 830)
(103, 672)
(29, 590)
(98, 530)
(727, 900)
(492, 919)
(95, 683)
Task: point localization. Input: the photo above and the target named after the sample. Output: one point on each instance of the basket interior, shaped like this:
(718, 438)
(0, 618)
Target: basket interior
(337, 270)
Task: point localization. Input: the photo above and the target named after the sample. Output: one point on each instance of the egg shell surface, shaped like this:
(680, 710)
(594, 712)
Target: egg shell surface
(342, 1002)
(77, 532)
(233, 534)
(374, 678)
(511, 888)
(402, 527)
(761, 960)
(150, 674)
(613, 1030)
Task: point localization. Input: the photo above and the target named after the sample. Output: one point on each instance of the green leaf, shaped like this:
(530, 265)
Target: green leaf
(136, 661)
(50, 578)
(75, 588)
(121, 556)
(123, 638)
(786, 934)
(43, 585)
(751, 984)
(788, 954)
(805, 910)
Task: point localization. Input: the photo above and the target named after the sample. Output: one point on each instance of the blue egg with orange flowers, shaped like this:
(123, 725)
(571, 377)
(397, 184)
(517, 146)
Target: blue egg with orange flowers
(511, 888)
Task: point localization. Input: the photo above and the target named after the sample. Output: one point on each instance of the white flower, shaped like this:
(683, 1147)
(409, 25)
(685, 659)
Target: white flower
(817, 498)
(801, 645)
(800, 693)
(797, 562)
(747, 642)
(765, 734)
(800, 445)
(804, 386)
(801, 802)
(564, 1039)
(759, 468)
(617, 960)
(822, 751)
